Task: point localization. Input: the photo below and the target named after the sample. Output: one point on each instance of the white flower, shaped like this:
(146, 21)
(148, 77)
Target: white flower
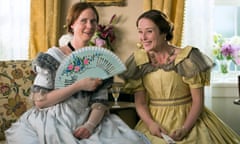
(235, 40)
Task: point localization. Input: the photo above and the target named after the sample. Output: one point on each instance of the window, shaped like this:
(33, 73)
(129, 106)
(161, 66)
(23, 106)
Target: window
(226, 20)
(226, 23)
(205, 18)
(14, 29)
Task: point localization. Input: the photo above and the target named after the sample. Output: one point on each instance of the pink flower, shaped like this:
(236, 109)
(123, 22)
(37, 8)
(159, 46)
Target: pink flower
(100, 42)
(237, 60)
(70, 67)
(105, 35)
(77, 68)
(86, 61)
(227, 50)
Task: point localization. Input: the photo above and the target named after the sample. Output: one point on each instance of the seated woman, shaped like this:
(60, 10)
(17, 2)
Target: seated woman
(77, 113)
(168, 84)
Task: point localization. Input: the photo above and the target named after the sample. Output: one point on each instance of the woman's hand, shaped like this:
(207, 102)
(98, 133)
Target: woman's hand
(82, 132)
(193, 115)
(88, 84)
(156, 130)
(179, 134)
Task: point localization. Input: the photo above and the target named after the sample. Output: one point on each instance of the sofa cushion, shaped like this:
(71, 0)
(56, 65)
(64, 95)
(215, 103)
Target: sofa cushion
(16, 78)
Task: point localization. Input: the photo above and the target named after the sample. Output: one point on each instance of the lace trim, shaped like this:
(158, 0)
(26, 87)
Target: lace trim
(46, 61)
(38, 93)
(187, 65)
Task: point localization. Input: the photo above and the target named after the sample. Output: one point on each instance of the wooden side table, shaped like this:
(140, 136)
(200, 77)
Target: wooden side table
(126, 111)
(121, 105)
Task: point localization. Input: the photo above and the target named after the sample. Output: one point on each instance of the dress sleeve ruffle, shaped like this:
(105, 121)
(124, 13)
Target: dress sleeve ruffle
(137, 65)
(194, 66)
(131, 86)
(199, 80)
(46, 61)
(45, 67)
(191, 61)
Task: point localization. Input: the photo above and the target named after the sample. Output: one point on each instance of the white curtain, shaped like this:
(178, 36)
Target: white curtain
(14, 29)
(198, 23)
(197, 30)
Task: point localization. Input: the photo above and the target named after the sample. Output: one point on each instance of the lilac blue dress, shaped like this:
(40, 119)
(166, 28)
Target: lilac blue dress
(55, 124)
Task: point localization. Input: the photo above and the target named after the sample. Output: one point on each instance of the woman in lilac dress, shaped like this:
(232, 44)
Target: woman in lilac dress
(75, 114)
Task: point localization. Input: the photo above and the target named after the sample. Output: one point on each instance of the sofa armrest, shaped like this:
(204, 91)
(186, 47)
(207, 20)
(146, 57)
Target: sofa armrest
(16, 78)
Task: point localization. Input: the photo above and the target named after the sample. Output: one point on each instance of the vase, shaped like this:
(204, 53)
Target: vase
(224, 66)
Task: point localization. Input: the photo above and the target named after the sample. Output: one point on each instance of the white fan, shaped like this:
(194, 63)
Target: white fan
(94, 62)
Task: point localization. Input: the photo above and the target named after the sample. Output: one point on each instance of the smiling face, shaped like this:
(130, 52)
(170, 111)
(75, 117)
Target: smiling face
(149, 34)
(85, 25)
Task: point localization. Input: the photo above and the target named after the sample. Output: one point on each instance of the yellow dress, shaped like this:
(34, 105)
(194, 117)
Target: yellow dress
(168, 93)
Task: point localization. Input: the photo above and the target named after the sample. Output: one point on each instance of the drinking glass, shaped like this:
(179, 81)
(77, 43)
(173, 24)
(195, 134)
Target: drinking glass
(115, 90)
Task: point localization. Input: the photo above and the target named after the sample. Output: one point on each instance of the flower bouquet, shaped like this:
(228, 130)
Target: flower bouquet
(105, 34)
(226, 51)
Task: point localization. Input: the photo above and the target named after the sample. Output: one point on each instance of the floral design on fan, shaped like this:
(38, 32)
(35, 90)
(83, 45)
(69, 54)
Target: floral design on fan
(79, 64)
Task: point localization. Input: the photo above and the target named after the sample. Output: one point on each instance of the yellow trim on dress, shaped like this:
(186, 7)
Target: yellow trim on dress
(171, 102)
(141, 57)
(183, 54)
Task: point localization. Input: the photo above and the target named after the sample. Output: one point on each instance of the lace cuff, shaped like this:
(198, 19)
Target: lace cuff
(38, 93)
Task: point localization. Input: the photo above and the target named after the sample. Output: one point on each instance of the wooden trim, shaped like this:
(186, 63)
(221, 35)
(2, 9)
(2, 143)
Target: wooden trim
(106, 2)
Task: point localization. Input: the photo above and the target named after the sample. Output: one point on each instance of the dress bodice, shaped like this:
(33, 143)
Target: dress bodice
(190, 69)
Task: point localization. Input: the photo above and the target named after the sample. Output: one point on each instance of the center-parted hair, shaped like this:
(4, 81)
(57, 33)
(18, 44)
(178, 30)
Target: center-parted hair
(161, 20)
(75, 11)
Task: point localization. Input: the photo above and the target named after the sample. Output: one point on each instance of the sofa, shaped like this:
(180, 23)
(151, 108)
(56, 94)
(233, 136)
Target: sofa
(16, 78)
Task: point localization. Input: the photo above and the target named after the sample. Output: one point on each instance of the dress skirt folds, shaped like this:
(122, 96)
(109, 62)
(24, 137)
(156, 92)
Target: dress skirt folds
(56, 124)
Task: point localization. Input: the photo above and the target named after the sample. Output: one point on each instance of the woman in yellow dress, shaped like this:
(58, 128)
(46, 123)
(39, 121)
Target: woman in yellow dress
(168, 85)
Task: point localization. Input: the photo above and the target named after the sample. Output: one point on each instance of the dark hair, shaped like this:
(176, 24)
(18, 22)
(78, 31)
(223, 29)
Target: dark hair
(161, 20)
(75, 11)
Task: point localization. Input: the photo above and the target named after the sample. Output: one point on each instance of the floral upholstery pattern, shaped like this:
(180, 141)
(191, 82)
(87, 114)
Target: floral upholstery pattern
(16, 78)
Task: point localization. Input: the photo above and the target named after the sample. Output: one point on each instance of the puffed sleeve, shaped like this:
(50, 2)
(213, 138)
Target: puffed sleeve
(45, 67)
(194, 67)
(201, 79)
(131, 86)
(190, 62)
(137, 65)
